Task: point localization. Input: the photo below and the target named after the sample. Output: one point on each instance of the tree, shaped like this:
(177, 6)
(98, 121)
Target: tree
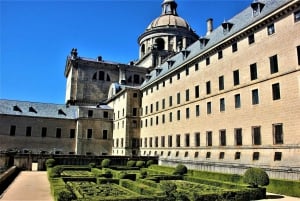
(256, 177)
(180, 170)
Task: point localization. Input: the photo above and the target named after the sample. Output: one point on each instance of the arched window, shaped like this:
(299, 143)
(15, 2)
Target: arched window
(101, 75)
(107, 77)
(160, 44)
(143, 49)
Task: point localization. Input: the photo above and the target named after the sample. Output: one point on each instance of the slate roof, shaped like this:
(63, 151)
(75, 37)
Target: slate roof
(32, 109)
(239, 21)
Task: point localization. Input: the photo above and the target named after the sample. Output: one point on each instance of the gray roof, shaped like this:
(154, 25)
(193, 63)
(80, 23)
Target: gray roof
(46, 110)
(239, 21)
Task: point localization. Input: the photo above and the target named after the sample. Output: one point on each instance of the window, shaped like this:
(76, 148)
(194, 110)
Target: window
(277, 133)
(58, 132)
(178, 98)
(136, 79)
(170, 80)
(253, 71)
(297, 16)
(187, 113)
(134, 111)
(236, 77)
(208, 108)
(150, 142)
(256, 137)
(209, 138)
(134, 124)
(162, 141)
(237, 100)
(105, 134)
(170, 101)
(163, 83)
(135, 95)
(234, 47)
(44, 132)
(197, 139)
(197, 91)
(28, 131)
(178, 115)
(276, 91)
(163, 103)
(12, 131)
(169, 153)
(197, 110)
(221, 82)
(187, 95)
(196, 66)
(187, 72)
(122, 142)
(157, 105)
(146, 110)
(277, 156)
(222, 105)
(101, 75)
(178, 76)
(178, 140)
(89, 133)
(273, 64)
(156, 120)
(151, 108)
(186, 154)
(255, 98)
(151, 121)
(156, 142)
(196, 154)
(207, 61)
(145, 142)
(208, 154)
(105, 114)
(220, 54)
(170, 141)
(72, 133)
(222, 137)
(251, 39)
(170, 117)
(298, 54)
(238, 137)
(237, 155)
(163, 119)
(221, 155)
(177, 153)
(90, 113)
(255, 156)
(208, 89)
(187, 140)
(271, 29)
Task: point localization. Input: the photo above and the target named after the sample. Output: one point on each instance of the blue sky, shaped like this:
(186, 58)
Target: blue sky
(36, 37)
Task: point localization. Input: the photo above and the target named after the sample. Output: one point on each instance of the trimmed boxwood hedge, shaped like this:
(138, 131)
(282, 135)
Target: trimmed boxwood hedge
(284, 187)
(140, 188)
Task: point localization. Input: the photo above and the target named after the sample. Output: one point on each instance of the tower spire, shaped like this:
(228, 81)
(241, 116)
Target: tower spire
(169, 7)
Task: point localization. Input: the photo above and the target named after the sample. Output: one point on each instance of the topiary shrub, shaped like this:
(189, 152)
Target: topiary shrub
(180, 170)
(256, 177)
(50, 162)
(105, 163)
(149, 162)
(140, 164)
(131, 163)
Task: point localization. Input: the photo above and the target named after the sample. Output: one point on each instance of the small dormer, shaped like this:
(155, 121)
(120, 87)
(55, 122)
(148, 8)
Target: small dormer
(17, 108)
(31, 109)
(158, 70)
(185, 53)
(226, 27)
(148, 76)
(203, 42)
(170, 63)
(257, 7)
(61, 112)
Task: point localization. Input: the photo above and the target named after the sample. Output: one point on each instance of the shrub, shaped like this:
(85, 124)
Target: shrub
(65, 196)
(180, 170)
(131, 163)
(105, 163)
(107, 174)
(92, 165)
(140, 164)
(149, 162)
(50, 162)
(143, 174)
(56, 171)
(256, 177)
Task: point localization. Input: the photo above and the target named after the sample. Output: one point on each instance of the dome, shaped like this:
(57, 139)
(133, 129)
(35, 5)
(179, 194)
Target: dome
(167, 21)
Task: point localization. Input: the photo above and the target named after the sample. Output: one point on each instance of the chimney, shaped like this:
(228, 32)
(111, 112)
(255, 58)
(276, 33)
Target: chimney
(209, 26)
(99, 58)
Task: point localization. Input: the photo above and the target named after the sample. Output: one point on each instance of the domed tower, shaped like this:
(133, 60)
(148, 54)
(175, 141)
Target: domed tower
(165, 36)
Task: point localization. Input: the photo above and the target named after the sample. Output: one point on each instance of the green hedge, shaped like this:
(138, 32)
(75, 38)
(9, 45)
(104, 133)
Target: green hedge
(218, 183)
(140, 188)
(284, 187)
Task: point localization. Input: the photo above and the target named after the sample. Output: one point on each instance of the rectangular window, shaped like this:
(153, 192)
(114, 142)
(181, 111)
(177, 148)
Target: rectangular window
(220, 54)
(163, 104)
(89, 133)
(255, 97)
(178, 98)
(208, 154)
(271, 29)
(238, 136)
(221, 155)
(253, 71)
(197, 110)
(207, 61)
(145, 142)
(197, 139)
(178, 140)
(12, 131)
(44, 132)
(58, 132)
(28, 131)
(157, 105)
(170, 117)
(90, 113)
(196, 154)
(234, 47)
(251, 39)
(209, 138)
(298, 54)
(156, 120)
(134, 124)
(277, 156)
(236, 77)
(105, 134)
(163, 119)
(222, 137)
(255, 156)
(178, 115)
(197, 91)
(151, 121)
(222, 105)
(170, 80)
(163, 83)
(151, 108)
(72, 133)
(196, 67)
(277, 133)
(146, 110)
(105, 114)
(237, 101)
(150, 142)
(187, 140)
(237, 155)
(187, 95)
(208, 108)
(208, 89)
(187, 113)
(187, 71)
(273, 64)
(178, 76)
(135, 95)
(134, 112)
(297, 16)
(256, 136)
(170, 141)
(170, 101)
(276, 91)
(162, 141)
(156, 142)
(221, 83)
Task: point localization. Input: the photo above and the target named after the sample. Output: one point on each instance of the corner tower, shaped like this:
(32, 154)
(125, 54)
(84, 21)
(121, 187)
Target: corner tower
(164, 36)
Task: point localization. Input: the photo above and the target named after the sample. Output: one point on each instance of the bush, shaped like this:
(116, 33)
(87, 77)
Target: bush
(50, 162)
(105, 163)
(256, 177)
(56, 171)
(143, 174)
(131, 163)
(180, 170)
(65, 196)
(140, 164)
(107, 174)
(92, 165)
(149, 162)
